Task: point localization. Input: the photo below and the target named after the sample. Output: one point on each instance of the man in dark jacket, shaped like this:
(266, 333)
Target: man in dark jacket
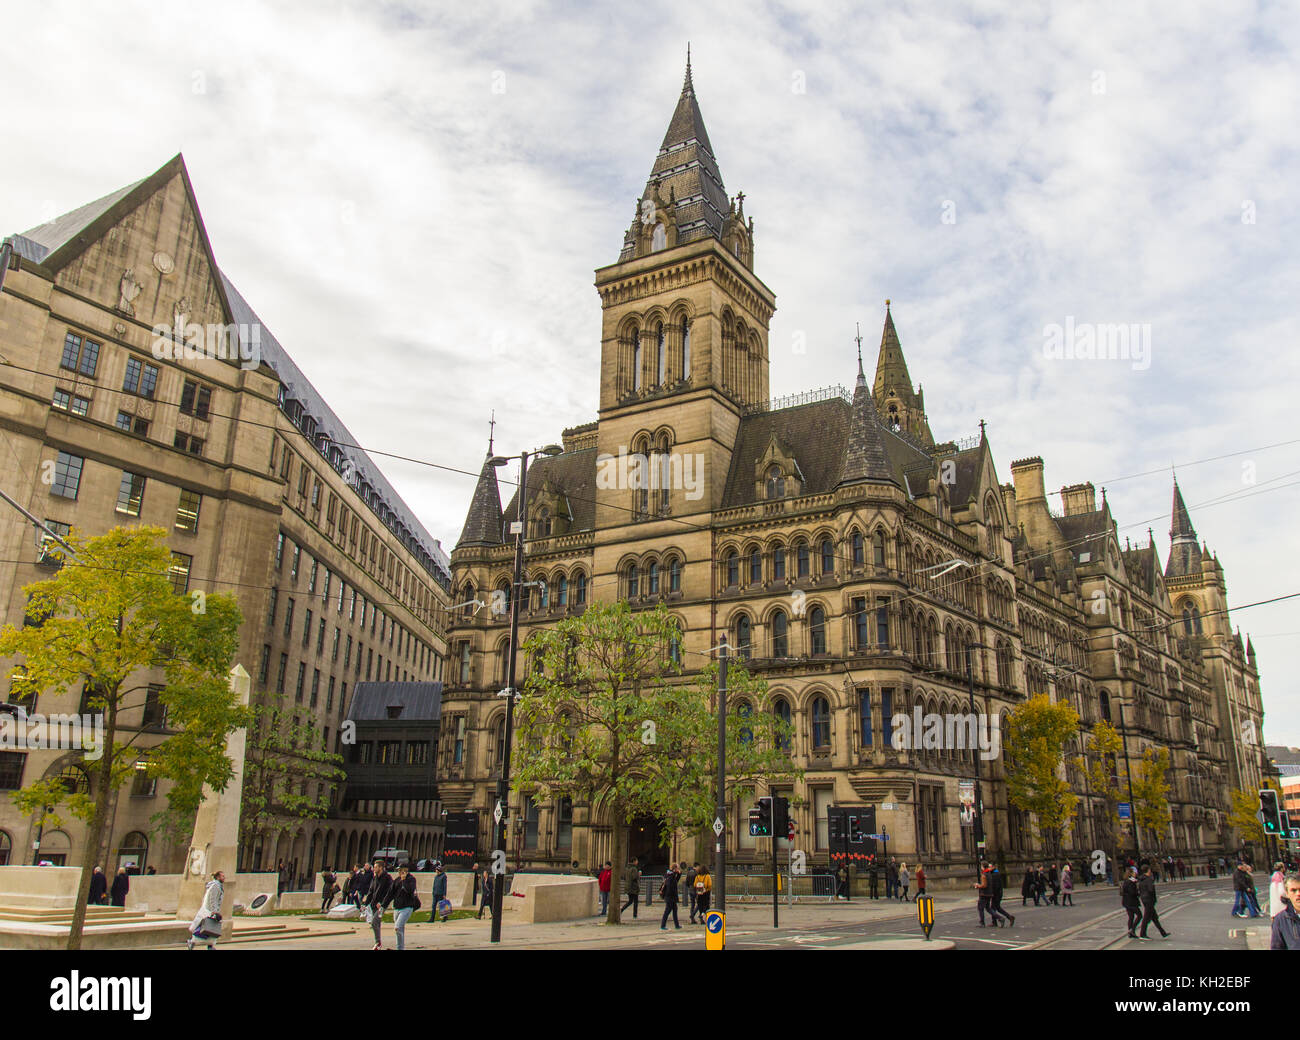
(378, 892)
(669, 893)
(485, 892)
(1147, 894)
(996, 885)
(98, 888)
(438, 894)
(327, 891)
(1286, 925)
(633, 888)
(891, 879)
(690, 888)
(1128, 897)
(873, 876)
(402, 896)
(361, 885)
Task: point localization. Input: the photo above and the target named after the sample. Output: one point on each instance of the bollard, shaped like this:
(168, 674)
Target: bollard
(925, 914)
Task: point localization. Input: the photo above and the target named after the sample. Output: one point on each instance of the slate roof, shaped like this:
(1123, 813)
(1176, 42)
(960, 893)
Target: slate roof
(686, 167)
(39, 242)
(574, 474)
(419, 701)
(1184, 554)
(1140, 564)
(483, 523)
(1086, 533)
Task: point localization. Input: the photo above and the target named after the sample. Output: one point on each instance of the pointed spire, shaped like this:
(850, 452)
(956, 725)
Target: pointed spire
(865, 459)
(891, 367)
(687, 85)
(862, 378)
(492, 429)
(1181, 530)
(484, 522)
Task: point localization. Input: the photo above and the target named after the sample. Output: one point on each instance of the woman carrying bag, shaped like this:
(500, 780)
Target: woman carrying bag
(405, 902)
(206, 926)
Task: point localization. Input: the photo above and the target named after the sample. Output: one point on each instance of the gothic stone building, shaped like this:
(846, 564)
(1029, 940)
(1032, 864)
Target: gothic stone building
(255, 478)
(821, 538)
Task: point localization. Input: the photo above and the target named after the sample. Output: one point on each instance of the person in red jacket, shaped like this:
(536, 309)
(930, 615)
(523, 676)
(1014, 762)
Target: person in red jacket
(603, 880)
(920, 879)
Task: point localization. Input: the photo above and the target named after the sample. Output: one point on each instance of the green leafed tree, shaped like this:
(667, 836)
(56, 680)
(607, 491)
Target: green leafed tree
(285, 767)
(111, 621)
(1241, 816)
(1037, 733)
(1151, 791)
(1100, 765)
(606, 716)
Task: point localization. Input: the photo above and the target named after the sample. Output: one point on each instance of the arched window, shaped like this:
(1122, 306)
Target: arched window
(564, 590)
(802, 562)
(733, 569)
(658, 238)
(133, 853)
(633, 581)
(544, 523)
(864, 717)
(878, 549)
(1105, 705)
(6, 848)
(856, 540)
(775, 483)
(743, 637)
(778, 563)
(780, 635)
(821, 724)
(781, 709)
(828, 557)
(636, 359)
(653, 575)
(544, 594)
(580, 592)
(675, 646)
(661, 355)
(503, 591)
(686, 349)
(817, 627)
(75, 780)
(755, 567)
(674, 575)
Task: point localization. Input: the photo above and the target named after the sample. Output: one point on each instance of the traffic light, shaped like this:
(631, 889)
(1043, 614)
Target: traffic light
(855, 830)
(1270, 812)
(760, 819)
(781, 816)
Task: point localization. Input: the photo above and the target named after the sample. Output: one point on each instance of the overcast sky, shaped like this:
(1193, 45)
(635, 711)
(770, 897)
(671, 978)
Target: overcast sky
(414, 199)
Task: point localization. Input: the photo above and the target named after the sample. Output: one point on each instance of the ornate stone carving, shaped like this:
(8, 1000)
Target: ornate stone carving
(128, 290)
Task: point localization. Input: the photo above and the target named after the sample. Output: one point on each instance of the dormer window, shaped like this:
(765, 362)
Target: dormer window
(775, 483)
(659, 238)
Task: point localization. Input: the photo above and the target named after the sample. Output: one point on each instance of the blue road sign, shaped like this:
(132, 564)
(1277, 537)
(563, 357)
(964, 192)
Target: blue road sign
(1125, 810)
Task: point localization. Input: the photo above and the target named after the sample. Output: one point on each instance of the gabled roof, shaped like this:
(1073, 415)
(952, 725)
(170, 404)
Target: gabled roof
(573, 474)
(39, 242)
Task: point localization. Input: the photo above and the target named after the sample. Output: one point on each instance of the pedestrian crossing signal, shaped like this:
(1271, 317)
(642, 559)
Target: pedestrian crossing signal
(760, 819)
(1270, 811)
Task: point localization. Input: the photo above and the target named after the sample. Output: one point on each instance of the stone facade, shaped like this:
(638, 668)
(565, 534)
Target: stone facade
(853, 562)
(288, 515)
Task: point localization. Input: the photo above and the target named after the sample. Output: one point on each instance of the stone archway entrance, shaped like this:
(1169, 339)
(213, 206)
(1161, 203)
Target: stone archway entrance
(643, 843)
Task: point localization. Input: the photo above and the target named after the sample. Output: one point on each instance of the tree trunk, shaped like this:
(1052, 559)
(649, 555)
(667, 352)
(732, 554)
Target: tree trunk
(94, 839)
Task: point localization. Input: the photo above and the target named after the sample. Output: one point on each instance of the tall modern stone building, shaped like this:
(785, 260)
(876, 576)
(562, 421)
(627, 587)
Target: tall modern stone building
(855, 562)
(256, 479)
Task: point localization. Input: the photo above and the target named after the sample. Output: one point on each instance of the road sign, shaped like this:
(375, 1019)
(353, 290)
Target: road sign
(715, 930)
(717, 826)
(496, 813)
(888, 806)
(925, 914)
(1125, 810)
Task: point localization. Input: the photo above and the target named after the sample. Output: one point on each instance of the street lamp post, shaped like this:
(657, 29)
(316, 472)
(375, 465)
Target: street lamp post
(501, 812)
(979, 808)
(1132, 806)
(720, 862)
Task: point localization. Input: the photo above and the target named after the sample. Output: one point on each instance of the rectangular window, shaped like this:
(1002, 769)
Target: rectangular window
(279, 675)
(187, 512)
(822, 799)
(334, 646)
(882, 622)
(155, 712)
(861, 626)
(329, 700)
(886, 711)
(388, 752)
(417, 753)
(458, 753)
(195, 399)
(61, 400)
(186, 443)
(464, 661)
(143, 785)
(347, 653)
(315, 686)
(279, 551)
(80, 405)
(271, 603)
(297, 556)
(80, 355)
(306, 629)
(288, 620)
(11, 771)
(264, 669)
(311, 580)
(67, 475)
(302, 679)
(864, 714)
(320, 636)
(130, 494)
(180, 571)
(141, 378)
(132, 424)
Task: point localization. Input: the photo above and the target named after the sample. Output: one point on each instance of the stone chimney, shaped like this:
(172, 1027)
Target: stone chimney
(1009, 502)
(1028, 477)
(1079, 498)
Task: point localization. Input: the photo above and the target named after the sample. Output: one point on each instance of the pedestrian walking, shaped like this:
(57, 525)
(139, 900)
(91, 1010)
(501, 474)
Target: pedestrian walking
(891, 879)
(920, 880)
(1276, 891)
(121, 886)
(842, 882)
(405, 901)
(1027, 888)
(98, 888)
(361, 886)
(996, 885)
(1129, 899)
(873, 876)
(1182, 869)
(209, 908)
(439, 895)
(377, 895)
(668, 893)
(1067, 886)
(690, 888)
(603, 881)
(1147, 895)
(633, 887)
(1054, 883)
(1286, 925)
(904, 882)
(1252, 893)
(328, 889)
(485, 894)
(983, 893)
(1040, 885)
(703, 892)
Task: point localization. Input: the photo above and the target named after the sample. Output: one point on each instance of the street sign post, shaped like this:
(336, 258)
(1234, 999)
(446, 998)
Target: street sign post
(715, 930)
